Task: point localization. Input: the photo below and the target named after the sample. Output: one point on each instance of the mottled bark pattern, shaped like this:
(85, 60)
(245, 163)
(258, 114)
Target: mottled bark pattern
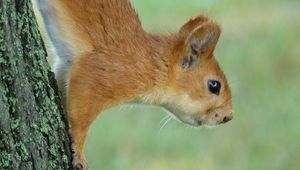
(33, 128)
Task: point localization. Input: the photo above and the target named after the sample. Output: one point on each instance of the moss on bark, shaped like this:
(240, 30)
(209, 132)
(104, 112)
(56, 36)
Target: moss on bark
(33, 127)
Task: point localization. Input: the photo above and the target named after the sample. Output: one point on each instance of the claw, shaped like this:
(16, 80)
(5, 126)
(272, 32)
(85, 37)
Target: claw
(79, 162)
(79, 166)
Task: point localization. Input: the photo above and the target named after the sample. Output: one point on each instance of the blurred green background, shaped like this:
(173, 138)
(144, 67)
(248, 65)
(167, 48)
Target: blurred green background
(259, 51)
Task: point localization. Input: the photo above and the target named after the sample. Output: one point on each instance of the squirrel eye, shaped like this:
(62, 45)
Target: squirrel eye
(214, 86)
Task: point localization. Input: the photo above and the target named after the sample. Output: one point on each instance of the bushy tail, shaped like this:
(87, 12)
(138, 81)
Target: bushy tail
(51, 33)
(59, 53)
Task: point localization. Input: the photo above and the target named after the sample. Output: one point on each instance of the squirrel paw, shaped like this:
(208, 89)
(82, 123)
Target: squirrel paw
(79, 163)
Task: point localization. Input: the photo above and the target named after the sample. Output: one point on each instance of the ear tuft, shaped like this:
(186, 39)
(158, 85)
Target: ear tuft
(192, 24)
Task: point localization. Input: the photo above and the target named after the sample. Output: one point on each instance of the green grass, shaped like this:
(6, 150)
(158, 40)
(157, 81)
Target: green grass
(260, 53)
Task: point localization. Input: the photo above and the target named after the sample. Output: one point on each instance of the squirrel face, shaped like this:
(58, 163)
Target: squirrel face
(197, 85)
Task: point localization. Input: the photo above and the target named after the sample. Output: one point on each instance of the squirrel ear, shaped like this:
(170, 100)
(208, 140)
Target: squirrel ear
(204, 38)
(192, 24)
(200, 43)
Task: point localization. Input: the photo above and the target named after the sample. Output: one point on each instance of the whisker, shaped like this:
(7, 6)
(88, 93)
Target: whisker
(164, 118)
(165, 123)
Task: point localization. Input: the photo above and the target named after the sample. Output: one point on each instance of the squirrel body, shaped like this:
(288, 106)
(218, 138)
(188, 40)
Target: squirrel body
(104, 58)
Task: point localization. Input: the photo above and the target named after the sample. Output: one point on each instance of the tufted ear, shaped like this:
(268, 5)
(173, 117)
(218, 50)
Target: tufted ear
(192, 24)
(200, 43)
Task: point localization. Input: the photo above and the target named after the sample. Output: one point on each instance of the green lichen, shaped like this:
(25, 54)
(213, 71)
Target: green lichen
(53, 150)
(5, 158)
(36, 121)
(34, 125)
(15, 123)
(65, 158)
(53, 164)
(2, 61)
(44, 126)
(13, 102)
(22, 151)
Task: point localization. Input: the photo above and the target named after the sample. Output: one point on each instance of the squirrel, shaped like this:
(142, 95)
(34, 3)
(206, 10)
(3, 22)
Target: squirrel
(103, 58)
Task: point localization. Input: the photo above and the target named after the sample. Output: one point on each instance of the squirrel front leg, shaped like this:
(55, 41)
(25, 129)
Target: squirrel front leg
(83, 106)
(82, 112)
(95, 84)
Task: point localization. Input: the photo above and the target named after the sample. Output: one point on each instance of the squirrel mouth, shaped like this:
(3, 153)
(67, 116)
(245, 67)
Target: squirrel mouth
(189, 119)
(183, 117)
(192, 121)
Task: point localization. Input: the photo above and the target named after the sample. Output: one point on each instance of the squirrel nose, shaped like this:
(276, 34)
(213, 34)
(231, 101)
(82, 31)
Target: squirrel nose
(227, 119)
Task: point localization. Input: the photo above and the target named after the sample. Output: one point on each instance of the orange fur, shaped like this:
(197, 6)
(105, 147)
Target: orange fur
(115, 61)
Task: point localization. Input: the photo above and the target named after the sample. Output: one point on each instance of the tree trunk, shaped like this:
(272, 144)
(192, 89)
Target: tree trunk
(33, 128)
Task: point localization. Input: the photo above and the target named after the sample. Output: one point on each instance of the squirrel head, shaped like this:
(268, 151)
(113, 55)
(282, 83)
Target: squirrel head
(197, 87)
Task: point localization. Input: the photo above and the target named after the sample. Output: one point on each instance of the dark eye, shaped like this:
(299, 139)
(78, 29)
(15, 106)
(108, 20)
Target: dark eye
(214, 86)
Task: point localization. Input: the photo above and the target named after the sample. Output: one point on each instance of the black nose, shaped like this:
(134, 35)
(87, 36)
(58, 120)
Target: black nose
(226, 119)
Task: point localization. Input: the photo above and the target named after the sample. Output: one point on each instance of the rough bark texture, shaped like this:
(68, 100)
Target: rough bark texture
(33, 128)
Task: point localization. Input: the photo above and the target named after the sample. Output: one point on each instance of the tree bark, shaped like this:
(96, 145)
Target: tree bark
(33, 128)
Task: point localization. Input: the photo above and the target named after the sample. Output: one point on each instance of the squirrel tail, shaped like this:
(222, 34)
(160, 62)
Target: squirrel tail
(48, 23)
(59, 52)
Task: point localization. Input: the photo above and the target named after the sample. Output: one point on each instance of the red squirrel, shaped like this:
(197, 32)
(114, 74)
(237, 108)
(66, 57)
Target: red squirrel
(104, 58)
